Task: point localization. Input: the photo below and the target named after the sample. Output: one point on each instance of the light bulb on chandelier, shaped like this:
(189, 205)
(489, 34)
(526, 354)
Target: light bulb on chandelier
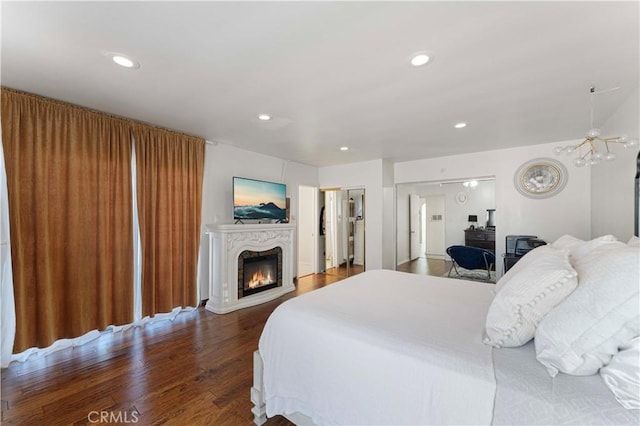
(592, 155)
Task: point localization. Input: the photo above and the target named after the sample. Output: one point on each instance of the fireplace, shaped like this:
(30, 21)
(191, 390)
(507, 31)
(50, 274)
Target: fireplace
(236, 248)
(259, 271)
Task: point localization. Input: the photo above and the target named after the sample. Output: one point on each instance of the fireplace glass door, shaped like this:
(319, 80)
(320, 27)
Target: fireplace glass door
(259, 271)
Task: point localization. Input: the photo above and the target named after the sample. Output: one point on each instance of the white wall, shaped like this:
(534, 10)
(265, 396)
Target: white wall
(480, 199)
(612, 182)
(222, 162)
(367, 175)
(565, 213)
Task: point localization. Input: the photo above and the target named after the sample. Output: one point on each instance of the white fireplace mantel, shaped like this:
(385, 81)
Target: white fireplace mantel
(226, 242)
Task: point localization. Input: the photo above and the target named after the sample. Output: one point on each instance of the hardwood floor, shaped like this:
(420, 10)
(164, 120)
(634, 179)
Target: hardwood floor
(341, 271)
(426, 266)
(195, 370)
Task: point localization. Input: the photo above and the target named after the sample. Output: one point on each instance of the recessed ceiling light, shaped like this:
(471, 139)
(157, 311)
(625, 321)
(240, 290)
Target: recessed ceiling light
(460, 125)
(421, 58)
(125, 62)
(264, 117)
(344, 148)
(122, 60)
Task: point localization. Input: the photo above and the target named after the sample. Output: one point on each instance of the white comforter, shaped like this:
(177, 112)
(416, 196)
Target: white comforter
(382, 347)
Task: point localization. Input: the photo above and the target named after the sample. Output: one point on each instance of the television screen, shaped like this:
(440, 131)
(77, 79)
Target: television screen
(257, 199)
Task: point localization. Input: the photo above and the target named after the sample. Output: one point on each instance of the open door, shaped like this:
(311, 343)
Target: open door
(307, 202)
(414, 226)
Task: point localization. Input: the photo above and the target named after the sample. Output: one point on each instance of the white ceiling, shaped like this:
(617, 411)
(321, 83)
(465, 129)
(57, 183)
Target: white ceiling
(334, 73)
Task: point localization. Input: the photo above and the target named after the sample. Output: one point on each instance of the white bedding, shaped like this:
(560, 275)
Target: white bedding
(409, 351)
(527, 395)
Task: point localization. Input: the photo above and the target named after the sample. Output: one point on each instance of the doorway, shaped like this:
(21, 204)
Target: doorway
(344, 229)
(438, 211)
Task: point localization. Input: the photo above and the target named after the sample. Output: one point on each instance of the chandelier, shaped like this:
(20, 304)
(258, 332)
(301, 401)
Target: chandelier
(594, 148)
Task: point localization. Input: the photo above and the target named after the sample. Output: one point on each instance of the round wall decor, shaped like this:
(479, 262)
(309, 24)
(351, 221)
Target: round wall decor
(540, 178)
(462, 197)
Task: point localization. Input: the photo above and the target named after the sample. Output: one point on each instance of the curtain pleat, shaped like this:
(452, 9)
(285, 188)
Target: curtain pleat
(70, 203)
(169, 185)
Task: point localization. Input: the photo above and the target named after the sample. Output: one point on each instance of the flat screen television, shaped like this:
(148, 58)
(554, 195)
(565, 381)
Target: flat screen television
(257, 199)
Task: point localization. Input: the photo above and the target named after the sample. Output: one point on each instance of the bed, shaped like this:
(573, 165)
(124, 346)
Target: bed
(386, 347)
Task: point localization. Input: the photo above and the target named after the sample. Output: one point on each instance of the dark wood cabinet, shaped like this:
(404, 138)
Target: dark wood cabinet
(482, 238)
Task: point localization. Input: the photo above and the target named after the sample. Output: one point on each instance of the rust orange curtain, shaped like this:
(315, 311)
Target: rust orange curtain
(169, 187)
(70, 207)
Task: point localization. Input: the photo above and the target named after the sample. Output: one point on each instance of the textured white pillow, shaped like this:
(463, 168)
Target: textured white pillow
(622, 375)
(530, 289)
(581, 334)
(579, 248)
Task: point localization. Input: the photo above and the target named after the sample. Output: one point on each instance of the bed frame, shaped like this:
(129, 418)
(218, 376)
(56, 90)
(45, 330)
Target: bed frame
(257, 398)
(257, 391)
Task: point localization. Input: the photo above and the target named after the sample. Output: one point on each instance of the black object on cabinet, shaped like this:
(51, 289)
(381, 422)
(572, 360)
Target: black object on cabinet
(517, 246)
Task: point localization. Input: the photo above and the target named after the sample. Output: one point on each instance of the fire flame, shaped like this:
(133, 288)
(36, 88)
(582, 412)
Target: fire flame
(258, 279)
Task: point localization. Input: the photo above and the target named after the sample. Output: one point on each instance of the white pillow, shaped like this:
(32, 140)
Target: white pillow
(581, 334)
(565, 241)
(634, 241)
(579, 248)
(622, 375)
(530, 289)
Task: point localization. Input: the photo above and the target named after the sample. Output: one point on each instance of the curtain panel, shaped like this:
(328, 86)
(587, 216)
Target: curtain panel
(169, 177)
(70, 211)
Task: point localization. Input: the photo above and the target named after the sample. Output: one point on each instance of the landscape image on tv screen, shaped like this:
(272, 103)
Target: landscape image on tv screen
(256, 199)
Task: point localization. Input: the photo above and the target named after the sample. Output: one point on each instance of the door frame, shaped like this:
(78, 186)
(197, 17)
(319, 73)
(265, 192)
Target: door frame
(337, 253)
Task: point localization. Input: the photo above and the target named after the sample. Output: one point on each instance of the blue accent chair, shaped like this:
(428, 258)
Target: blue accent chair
(471, 258)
